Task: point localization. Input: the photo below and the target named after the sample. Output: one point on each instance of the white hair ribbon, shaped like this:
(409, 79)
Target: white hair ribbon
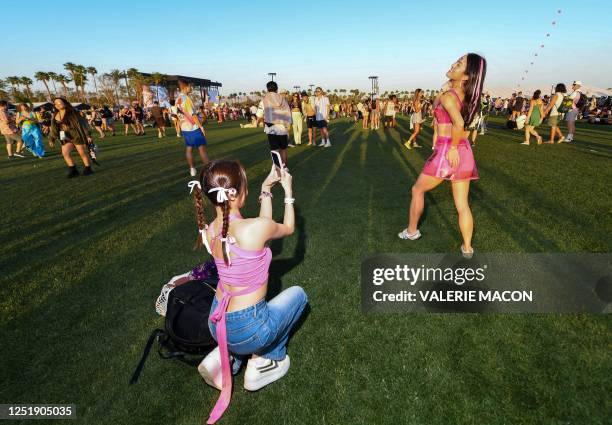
(228, 240)
(222, 193)
(193, 184)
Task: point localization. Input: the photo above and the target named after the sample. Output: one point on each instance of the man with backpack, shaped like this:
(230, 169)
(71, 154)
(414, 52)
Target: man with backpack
(578, 101)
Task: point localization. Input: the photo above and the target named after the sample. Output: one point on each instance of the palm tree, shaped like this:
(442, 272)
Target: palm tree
(53, 79)
(3, 92)
(64, 80)
(115, 76)
(44, 77)
(134, 75)
(127, 85)
(93, 71)
(80, 73)
(27, 82)
(71, 68)
(14, 82)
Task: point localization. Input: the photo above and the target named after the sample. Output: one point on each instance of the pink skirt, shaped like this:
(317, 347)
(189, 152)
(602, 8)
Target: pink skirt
(437, 165)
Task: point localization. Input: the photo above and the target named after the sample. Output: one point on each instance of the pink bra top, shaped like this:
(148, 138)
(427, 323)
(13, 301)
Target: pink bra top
(248, 269)
(441, 114)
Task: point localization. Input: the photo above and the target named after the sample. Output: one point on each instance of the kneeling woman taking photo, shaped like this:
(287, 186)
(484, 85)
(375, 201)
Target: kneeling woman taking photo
(241, 320)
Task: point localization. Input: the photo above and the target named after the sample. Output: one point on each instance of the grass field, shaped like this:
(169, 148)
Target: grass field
(83, 261)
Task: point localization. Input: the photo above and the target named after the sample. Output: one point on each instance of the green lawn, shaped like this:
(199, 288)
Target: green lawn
(83, 261)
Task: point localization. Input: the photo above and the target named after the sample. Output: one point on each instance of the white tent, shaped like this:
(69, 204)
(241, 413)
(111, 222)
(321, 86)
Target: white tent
(37, 105)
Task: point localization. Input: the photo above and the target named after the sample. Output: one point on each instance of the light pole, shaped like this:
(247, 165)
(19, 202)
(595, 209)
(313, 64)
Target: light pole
(374, 79)
(296, 88)
(272, 75)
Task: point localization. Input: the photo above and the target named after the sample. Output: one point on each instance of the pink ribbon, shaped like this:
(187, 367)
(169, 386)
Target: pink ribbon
(218, 318)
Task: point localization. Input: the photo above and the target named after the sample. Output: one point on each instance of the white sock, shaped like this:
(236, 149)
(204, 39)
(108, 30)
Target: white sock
(570, 136)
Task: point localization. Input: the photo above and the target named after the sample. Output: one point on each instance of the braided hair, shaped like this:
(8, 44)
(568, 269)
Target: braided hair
(218, 174)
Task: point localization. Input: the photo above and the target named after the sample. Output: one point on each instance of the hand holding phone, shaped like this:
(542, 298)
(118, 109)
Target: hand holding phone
(278, 162)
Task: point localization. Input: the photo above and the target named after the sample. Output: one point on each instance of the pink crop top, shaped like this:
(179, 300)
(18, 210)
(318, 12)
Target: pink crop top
(442, 116)
(248, 269)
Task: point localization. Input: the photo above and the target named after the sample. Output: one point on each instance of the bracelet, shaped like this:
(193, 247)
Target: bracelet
(289, 200)
(265, 194)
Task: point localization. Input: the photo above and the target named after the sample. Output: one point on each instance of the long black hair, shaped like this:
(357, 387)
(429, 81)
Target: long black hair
(72, 118)
(476, 70)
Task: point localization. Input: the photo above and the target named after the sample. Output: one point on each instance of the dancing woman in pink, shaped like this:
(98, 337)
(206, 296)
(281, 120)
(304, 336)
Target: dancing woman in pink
(244, 324)
(452, 158)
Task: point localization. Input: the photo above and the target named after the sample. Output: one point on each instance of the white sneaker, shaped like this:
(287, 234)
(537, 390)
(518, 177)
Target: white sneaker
(159, 136)
(193, 172)
(291, 145)
(328, 144)
(261, 372)
(405, 235)
(210, 369)
(18, 155)
(321, 144)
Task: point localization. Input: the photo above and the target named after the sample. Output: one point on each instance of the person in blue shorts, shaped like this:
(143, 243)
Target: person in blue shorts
(191, 127)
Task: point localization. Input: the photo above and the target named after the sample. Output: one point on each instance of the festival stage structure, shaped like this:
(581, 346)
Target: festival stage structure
(203, 86)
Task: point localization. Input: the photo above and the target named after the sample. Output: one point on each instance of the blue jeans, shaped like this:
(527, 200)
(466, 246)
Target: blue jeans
(262, 329)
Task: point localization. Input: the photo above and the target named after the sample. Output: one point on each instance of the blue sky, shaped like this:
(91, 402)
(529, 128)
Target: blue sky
(336, 44)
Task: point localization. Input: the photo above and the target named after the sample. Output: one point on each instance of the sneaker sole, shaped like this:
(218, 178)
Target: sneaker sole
(260, 383)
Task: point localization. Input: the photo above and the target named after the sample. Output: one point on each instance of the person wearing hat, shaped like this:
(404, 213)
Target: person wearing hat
(572, 114)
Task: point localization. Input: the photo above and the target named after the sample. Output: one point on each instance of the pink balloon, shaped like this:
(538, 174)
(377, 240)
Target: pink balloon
(541, 46)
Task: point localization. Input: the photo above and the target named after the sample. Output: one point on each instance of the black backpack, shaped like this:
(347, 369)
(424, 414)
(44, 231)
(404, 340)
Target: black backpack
(186, 327)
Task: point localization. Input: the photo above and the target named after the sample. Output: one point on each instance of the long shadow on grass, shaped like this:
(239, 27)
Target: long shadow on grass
(278, 268)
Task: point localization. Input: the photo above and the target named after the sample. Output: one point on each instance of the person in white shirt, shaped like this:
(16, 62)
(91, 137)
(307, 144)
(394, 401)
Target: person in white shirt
(572, 114)
(321, 105)
(276, 114)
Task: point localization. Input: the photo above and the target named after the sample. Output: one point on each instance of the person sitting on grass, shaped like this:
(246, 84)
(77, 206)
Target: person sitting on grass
(244, 324)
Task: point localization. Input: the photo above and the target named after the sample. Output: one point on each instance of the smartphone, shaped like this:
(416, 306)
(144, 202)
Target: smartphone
(278, 162)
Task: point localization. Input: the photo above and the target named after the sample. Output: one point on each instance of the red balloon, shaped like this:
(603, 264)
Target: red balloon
(541, 46)
(554, 23)
(547, 34)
